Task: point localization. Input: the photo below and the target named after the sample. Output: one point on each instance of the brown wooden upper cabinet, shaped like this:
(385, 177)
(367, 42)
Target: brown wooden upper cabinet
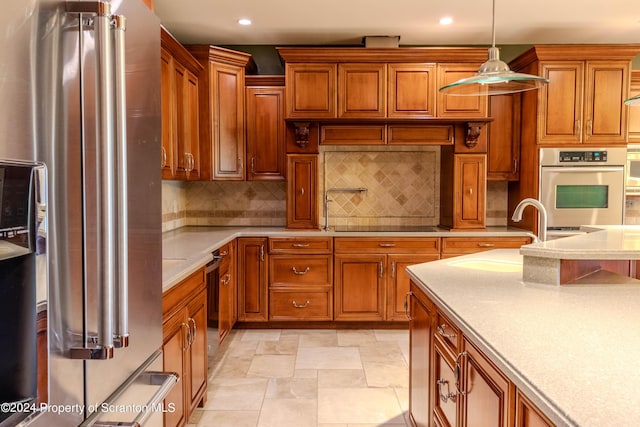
(302, 191)
(634, 112)
(459, 106)
(334, 83)
(311, 90)
(583, 102)
(265, 133)
(379, 91)
(222, 112)
(503, 133)
(411, 90)
(361, 90)
(179, 93)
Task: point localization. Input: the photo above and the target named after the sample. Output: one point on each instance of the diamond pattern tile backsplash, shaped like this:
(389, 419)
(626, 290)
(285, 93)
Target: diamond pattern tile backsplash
(402, 186)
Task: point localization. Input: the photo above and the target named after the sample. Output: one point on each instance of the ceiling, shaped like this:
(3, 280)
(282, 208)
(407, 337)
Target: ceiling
(345, 22)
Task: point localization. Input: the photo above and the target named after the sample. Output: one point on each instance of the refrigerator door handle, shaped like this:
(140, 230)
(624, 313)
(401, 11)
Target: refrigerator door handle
(121, 338)
(109, 245)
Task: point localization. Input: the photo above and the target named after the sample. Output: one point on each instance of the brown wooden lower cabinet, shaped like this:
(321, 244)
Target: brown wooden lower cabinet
(227, 290)
(456, 246)
(301, 278)
(184, 330)
(252, 279)
(360, 287)
(420, 357)
(302, 188)
(487, 395)
(370, 281)
(527, 415)
(478, 395)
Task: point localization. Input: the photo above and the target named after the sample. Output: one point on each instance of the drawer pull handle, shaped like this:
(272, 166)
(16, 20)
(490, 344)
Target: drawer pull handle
(300, 245)
(300, 305)
(406, 305)
(441, 331)
(457, 372)
(449, 395)
(486, 245)
(300, 273)
(387, 245)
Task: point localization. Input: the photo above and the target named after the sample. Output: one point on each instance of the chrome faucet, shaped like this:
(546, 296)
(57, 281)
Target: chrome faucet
(542, 214)
(327, 200)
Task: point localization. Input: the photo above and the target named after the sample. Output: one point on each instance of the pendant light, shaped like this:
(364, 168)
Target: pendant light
(633, 101)
(494, 76)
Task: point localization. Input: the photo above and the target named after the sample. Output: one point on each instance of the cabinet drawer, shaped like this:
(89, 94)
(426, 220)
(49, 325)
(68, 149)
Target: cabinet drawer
(447, 333)
(353, 134)
(300, 304)
(414, 134)
(469, 245)
(300, 245)
(178, 295)
(297, 270)
(387, 246)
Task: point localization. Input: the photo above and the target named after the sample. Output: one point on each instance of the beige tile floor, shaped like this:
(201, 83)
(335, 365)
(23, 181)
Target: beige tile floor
(308, 378)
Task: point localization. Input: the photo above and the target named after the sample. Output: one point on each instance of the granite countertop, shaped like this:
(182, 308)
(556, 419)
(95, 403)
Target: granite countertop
(572, 349)
(188, 248)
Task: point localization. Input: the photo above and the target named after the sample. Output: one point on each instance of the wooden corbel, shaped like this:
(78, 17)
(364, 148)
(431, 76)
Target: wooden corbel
(473, 133)
(302, 133)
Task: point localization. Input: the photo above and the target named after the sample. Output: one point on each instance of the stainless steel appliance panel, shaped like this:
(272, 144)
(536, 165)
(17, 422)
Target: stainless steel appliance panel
(48, 115)
(633, 170)
(144, 179)
(582, 186)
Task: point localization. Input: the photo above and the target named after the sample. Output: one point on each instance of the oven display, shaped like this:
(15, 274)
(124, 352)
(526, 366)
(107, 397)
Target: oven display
(582, 156)
(582, 196)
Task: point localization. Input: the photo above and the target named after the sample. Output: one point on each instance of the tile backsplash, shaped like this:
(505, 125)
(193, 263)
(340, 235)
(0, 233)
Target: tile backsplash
(242, 203)
(403, 185)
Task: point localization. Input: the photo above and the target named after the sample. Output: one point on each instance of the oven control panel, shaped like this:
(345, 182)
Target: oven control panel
(583, 156)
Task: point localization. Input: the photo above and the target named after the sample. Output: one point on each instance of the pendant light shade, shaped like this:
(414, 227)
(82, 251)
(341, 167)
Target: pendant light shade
(494, 76)
(633, 101)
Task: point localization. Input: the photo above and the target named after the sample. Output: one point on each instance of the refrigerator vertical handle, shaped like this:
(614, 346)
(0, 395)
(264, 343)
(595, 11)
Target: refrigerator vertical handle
(107, 204)
(121, 338)
(102, 345)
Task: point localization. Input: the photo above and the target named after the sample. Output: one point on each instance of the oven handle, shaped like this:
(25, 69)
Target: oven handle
(576, 169)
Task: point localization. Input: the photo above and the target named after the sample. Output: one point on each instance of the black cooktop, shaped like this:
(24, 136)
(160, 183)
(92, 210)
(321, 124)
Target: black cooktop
(387, 228)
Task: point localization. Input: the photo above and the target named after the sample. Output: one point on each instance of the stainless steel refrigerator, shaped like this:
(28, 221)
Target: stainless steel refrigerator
(80, 214)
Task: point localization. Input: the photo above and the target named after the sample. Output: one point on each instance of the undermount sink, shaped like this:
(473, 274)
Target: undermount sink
(488, 265)
(168, 263)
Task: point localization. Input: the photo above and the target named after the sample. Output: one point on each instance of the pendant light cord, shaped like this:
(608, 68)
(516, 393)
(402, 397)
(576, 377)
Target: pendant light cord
(493, 25)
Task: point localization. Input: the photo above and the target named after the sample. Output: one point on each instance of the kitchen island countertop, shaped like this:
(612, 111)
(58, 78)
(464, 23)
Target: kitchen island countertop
(572, 349)
(188, 248)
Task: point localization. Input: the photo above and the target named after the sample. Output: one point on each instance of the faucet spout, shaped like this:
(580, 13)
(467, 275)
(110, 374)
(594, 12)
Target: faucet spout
(542, 215)
(327, 200)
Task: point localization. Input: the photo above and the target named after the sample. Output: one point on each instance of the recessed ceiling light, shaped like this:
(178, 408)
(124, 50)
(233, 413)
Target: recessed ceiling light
(244, 21)
(447, 20)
